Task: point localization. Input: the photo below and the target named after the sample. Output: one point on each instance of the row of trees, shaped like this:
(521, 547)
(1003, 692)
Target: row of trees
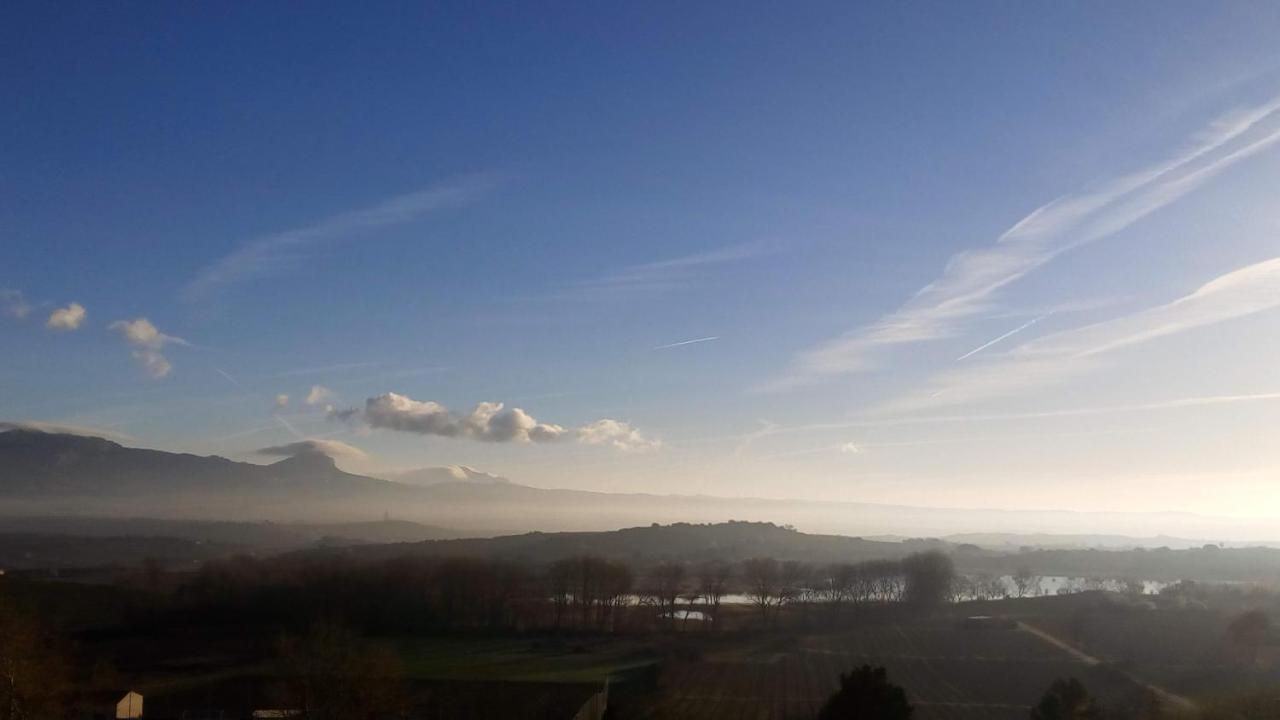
(581, 592)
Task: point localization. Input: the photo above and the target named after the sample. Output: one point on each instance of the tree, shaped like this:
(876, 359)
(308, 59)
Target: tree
(1247, 632)
(559, 579)
(764, 584)
(928, 578)
(667, 581)
(713, 583)
(1066, 699)
(867, 694)
(335, 674)
(1025, 580)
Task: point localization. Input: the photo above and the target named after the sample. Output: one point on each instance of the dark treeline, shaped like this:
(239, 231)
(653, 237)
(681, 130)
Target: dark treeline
(580, 592)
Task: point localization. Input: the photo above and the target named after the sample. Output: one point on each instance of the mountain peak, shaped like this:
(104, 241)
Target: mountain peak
(310, 462)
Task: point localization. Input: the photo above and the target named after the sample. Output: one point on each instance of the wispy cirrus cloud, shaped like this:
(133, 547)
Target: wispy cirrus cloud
(278, 252)
(13, 304)
(663, 275)
(1058, 356)
(972, 279)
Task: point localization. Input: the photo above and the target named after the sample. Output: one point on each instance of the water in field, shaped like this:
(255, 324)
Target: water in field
(1062, 585)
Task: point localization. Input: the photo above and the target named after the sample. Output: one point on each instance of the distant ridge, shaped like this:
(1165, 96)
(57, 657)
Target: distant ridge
(46, 474)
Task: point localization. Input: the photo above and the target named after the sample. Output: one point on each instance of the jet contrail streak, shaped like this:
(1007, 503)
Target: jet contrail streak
(227, 375)
(1011, 333)
(289, 426)
(688, 342)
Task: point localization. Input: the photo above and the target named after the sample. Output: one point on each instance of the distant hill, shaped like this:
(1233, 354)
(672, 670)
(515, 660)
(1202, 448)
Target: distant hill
(79, 542)
(39, 464)
(679, 542)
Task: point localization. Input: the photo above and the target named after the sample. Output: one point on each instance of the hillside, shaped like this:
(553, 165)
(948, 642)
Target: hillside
(680, 542)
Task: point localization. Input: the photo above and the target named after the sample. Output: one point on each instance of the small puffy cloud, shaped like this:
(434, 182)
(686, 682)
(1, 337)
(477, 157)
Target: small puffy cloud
(13, 305)
(141, 332)
(619, 434)
(318, 395)
(333, 448)
(851, 448)
(492, 422)
(489, 421)
(282, 401)
(155, 364)
(67, 318)
(147, 342)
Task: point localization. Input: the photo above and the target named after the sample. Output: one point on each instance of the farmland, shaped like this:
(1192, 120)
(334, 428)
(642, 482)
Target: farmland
(949, 671)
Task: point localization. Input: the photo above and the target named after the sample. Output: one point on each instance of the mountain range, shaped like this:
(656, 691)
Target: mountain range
(45, 474)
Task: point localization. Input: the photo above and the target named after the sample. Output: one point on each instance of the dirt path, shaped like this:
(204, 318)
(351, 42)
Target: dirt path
(1177, 702)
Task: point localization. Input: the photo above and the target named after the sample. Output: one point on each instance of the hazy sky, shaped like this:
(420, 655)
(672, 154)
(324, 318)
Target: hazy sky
(982, 254)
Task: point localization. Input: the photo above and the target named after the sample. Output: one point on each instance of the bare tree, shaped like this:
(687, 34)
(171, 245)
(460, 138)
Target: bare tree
(615, 589)
(763, 578)
(1024, 580)
(666, 586)
(713, 583)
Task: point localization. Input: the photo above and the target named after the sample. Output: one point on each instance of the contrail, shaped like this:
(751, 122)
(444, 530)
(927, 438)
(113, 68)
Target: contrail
(688, 342)
(1011, 333)
(227, 375)
(289, 426)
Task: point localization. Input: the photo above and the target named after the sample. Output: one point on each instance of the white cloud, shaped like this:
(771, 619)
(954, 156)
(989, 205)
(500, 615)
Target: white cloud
(67, 319)
(489, 421)
(1061, 355)
(141, 332)
(276, 253)
(851, 448)
(333, 448)
(318, 395)
(282, 401)
(619, 434)
(13, 304)
(492, 422)
(972, 279)
(153, 363)
(147, 342)
(63, 429)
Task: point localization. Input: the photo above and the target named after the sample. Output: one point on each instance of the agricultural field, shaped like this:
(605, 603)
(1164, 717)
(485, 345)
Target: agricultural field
(523, 659)
(1184, 649)
(948, 671)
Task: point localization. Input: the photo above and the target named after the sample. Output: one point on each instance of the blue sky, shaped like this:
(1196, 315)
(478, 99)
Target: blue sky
(458, 204)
